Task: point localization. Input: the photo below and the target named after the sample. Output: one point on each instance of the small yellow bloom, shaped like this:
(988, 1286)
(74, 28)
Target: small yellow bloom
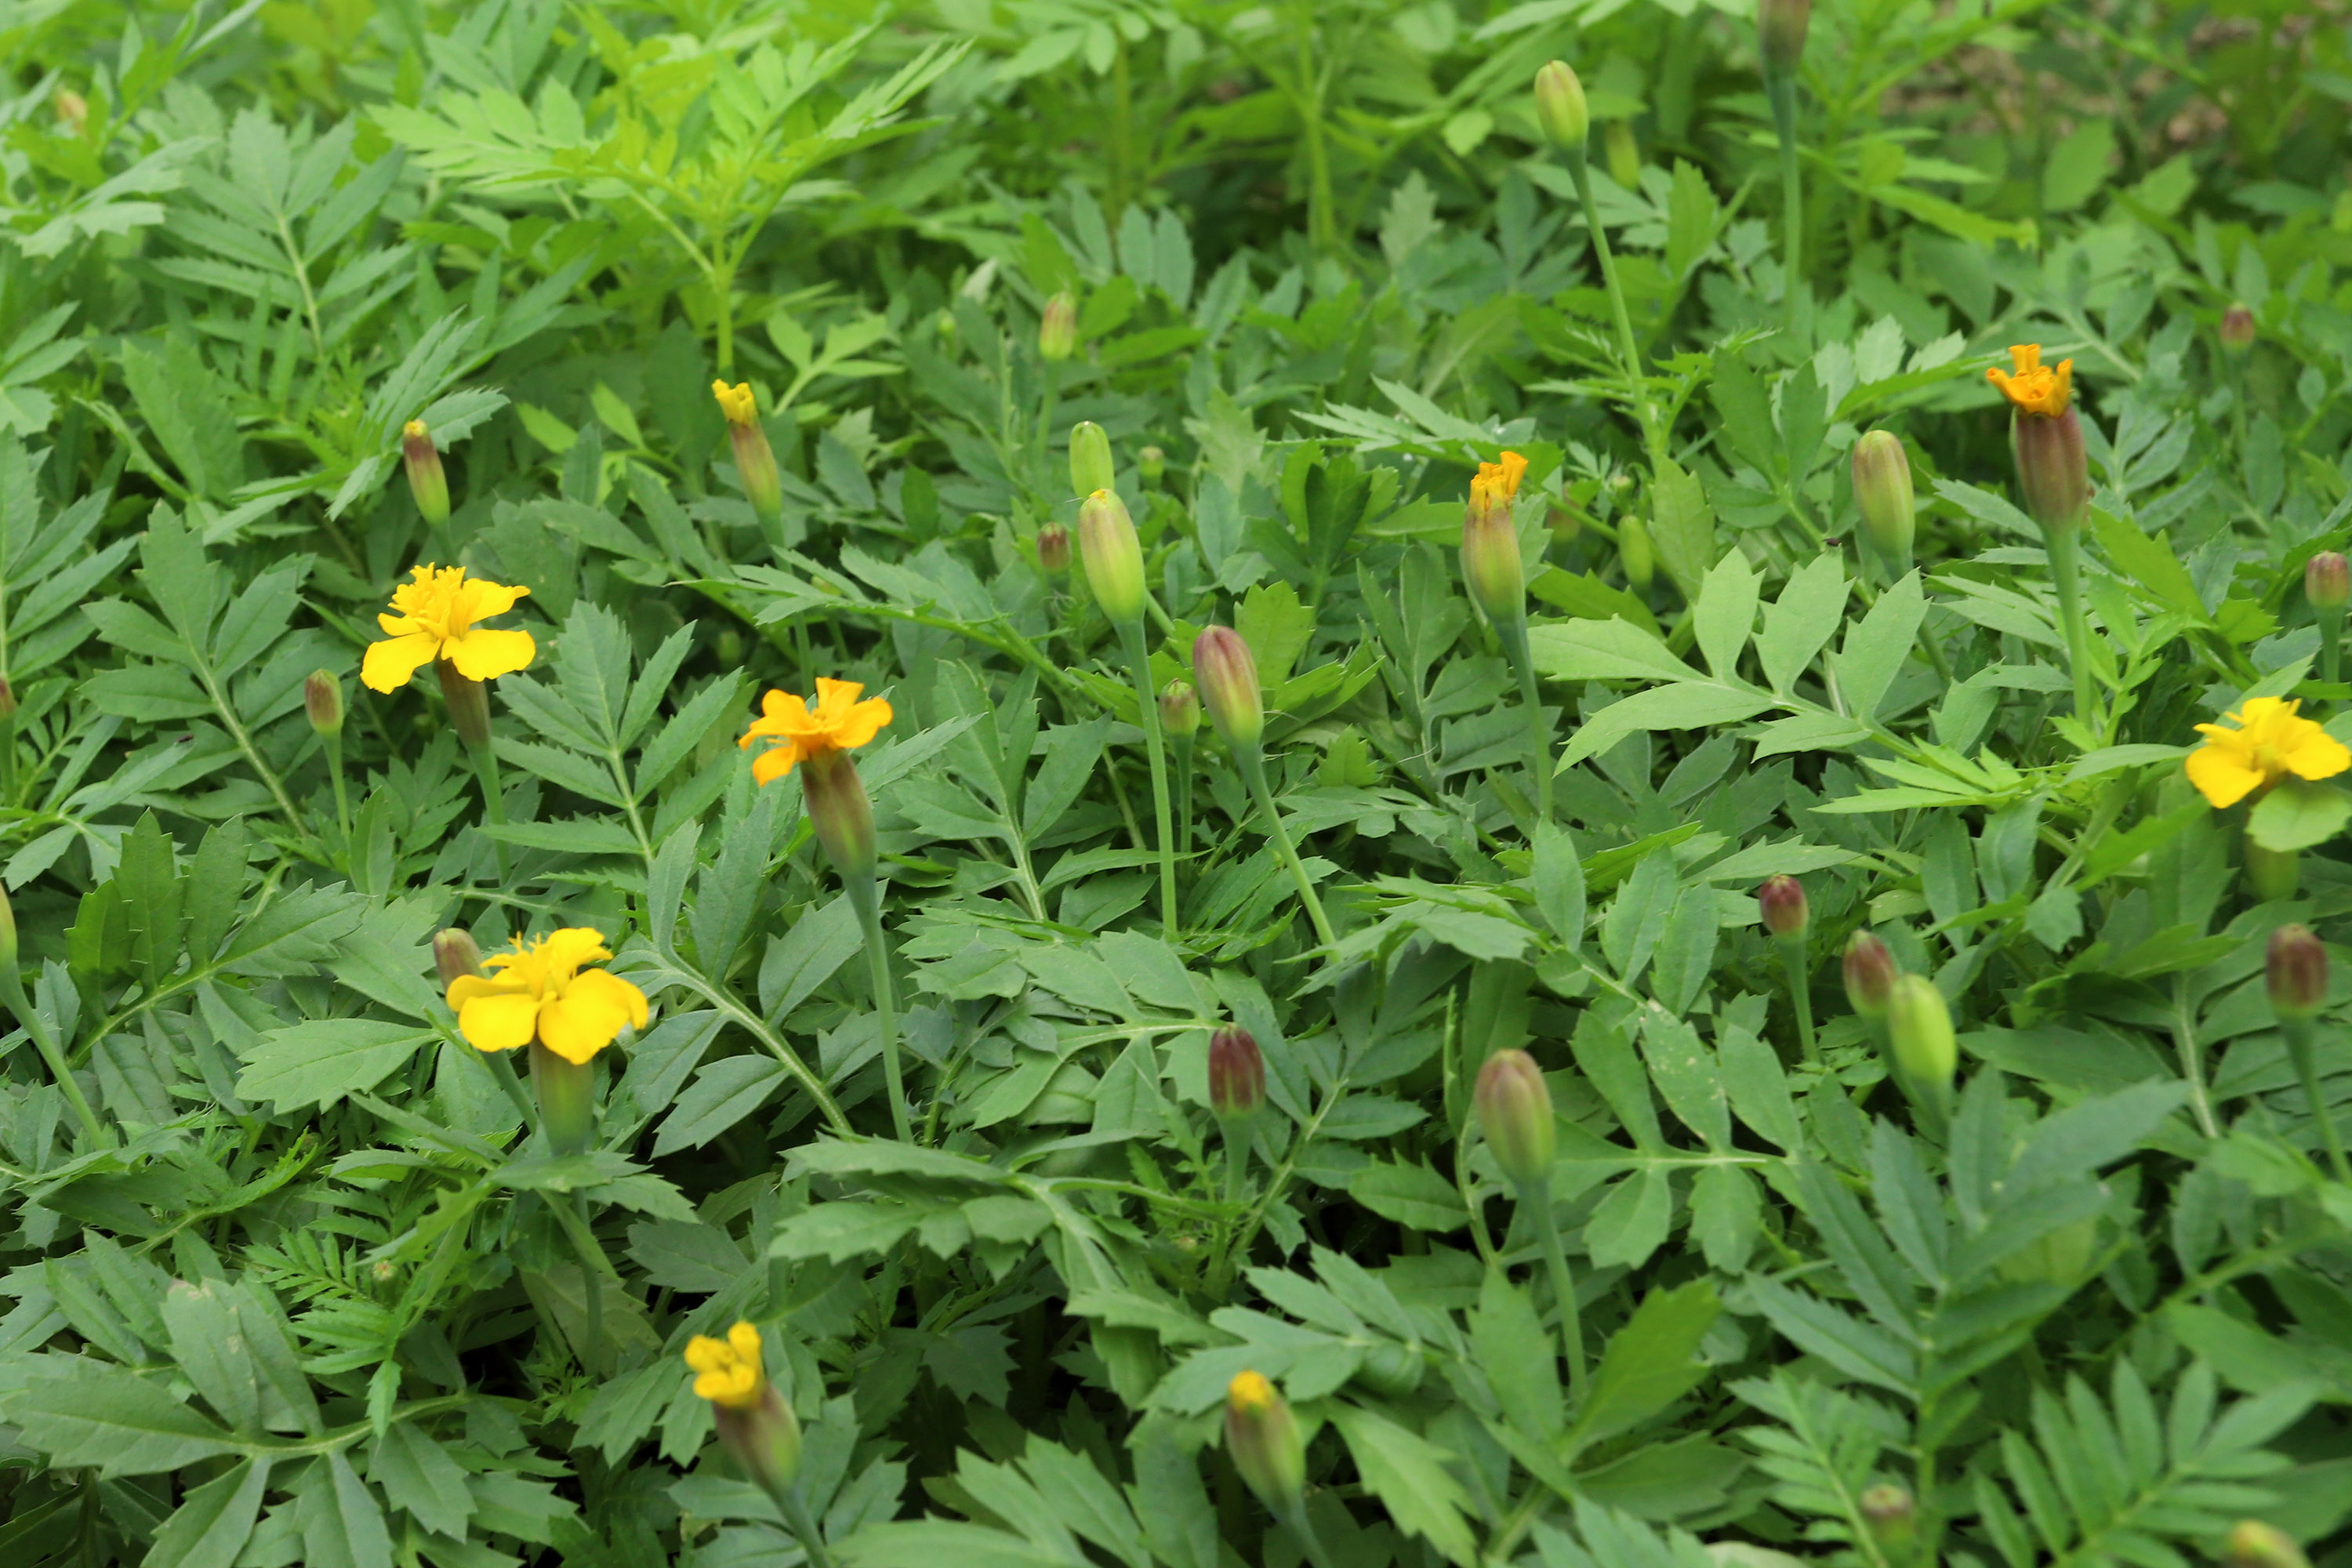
(2268, 744)
(736, 401)
(541, 990)
(2035, 388)
(433, 616)
(839, 722)
(1496, 484)
(727, 1372)
(1250, 1391)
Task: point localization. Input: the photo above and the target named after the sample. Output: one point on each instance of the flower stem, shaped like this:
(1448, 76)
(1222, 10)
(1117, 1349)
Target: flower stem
(1237, 1148)
(1801, 994)
(1628, 350)
(494, 802)
(1138, 662)
(1514, 640)
(8, 759)
(865, 897)
(1181, 784)
(797, 1514)
(1781, 90)
(2331, 648)
(502, 1071)
(1534, 1201)
(342, 798)
(12, 990)
(1293, 1516)
(1253, 767)
(2304, 1048)
(2065, 550)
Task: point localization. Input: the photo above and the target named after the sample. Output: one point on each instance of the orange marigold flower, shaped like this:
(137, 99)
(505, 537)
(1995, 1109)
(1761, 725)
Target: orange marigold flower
(433, 616)
(2035, 387)
(2268, 744)
(542, 990)
(839, 723)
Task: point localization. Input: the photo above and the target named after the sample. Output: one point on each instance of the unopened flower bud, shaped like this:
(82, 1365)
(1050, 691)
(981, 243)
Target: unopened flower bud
(1151, 465)
(1870, 974)
(2237, 330)
(455, 954)
(1226, 673)
(1237, 1074)
(426, 479)
(1919, 1022)
(2254, 1544)
(1780, 27)
(1514, 1107)
(755, 1426)
(1262, 1440)
(1634, 551)
(8, 930)
(1781, 901)
(2327, 581)
(1564, 522)
(1179, 709)
(1091, 467)
(1892, 1517)
(1054, 549)
(1881, 492)
(322, 701)
(7, 700)
(755, 460)
(1058, 329)
(73, 110)
(1113, 556)
(2297, 970)
(1490, 541)
(1560, 109)
(1624, 153)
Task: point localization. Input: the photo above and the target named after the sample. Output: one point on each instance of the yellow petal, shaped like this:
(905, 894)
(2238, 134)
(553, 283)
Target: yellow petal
(466, 987)
(576, 1025)
(498, 1022)
(481, 600)
(481, 656)
(775, 763)
(614, 991)
(2221, 776)
(388, 665)
(861, 724)
(2318, 755)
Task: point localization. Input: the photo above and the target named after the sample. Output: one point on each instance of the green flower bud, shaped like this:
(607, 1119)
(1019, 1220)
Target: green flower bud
(1919, 1022)
(1227, 674)
(1782, 901)
(1514, 1106)
(1179, 709)
(1882, 490)
(322, 701)
(1870, 974)
(1634, 551)
(2254, 1544)
(1624, 153)
(1113, 556)
(1152, 464)
(1780, 26)
(1891, 1516)
(426, 481)
(1560, 109)
(2296, 965)
(1058, 329)
(1054, 549)
(455, 954)
(2327, 581)
(2237, 330)
(1262, 1440)
(1090, 459)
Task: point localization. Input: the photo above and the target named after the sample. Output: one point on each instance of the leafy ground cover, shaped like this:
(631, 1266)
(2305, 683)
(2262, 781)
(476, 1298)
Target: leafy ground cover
(1064, 785)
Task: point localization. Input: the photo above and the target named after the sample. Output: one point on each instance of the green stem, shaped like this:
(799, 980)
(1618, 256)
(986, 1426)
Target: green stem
(1182, 783)
(2304, 1048)
(494, 802)
(2331, 650)
(1321, 230)
(1138, 662)
(1801, 994)
(1253, 767)
(1628, 350)
(1293, 1514)
(343, 799)
(8, 757)
(590, 1351)
(797, 1514)
(1534, 1201)
(2065, 548)
(12, 989)
(1514, 640)
(865, 897)
(1782, 90)
(1237, 1148)
(502, 1069)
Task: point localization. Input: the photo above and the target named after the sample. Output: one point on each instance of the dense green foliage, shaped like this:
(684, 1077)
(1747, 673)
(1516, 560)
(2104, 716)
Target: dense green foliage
(291, 1276)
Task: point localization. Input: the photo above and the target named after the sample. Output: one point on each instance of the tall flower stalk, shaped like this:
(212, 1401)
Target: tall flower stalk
(1780, 26)
(2053, 473)
(756, 1427)
(1515, 1112)
(818, 738)
(2296, 966)
(1226, 673)
(1114, 563)
(1497, 579)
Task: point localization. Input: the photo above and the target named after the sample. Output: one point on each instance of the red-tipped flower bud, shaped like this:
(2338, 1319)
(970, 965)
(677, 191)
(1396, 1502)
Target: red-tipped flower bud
(1179, 709)
(2327, 581)
(1869, 975)
(1226, 675)
(2297, 966)
(1090, 461)
(1782, 901)
(8, 700)
(1780, 27)
(322, 701)
(2237, 330)
(1560, 109)
(2254, 1544)
(1054, 549)
(426, 481)
(1237, 1074)
(455, 954)
(1113, 556)
(1919, 1022)
(1262, 1440)
(1058, 329)
(1881, 492)
(1514, 1107)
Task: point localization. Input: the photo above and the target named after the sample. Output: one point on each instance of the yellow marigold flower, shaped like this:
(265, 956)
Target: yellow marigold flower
(727, 1372)
(433, 616)
(542, 990)
(839, 722)
(2035, 387)
(736, 401)
(2268, 744)
(1250, 1391)
(1496, 484)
